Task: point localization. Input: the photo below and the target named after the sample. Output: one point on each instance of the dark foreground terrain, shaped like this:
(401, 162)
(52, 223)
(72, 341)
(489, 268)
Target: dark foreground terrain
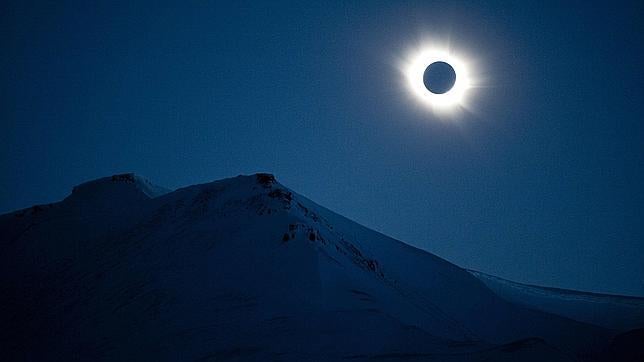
(244, 269)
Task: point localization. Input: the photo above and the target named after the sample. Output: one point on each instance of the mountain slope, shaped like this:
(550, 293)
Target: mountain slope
(609, 311)
(246, 269)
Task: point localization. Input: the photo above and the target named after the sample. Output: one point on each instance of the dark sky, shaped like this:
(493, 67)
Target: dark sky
(542, 182)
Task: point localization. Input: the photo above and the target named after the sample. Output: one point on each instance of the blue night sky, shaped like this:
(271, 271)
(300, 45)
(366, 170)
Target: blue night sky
(541, 182)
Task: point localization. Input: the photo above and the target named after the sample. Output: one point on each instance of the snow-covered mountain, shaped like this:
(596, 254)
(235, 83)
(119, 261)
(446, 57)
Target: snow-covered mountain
(246, 269)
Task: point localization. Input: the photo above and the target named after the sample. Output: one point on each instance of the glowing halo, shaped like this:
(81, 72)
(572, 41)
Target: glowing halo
(415, 67)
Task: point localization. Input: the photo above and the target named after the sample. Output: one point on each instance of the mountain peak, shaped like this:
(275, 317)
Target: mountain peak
(128, 181)
(265, 179)
(115, 191)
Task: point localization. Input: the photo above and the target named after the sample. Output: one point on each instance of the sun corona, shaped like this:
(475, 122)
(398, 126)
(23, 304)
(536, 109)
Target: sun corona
(414, 70)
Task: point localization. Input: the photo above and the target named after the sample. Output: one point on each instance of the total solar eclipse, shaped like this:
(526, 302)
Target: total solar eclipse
(439, 77)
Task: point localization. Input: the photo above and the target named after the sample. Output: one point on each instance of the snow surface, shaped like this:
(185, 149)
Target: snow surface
(616, 312)
(246, 269)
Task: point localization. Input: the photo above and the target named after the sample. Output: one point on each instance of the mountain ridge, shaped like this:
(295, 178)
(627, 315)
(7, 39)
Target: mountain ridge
(283, 268)
(617, 312)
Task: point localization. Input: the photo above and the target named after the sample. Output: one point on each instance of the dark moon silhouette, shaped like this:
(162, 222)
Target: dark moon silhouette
(439, 77)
